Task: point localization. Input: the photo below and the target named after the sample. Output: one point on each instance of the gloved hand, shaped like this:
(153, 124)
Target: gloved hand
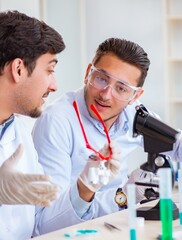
(19, 188)
(139, 175)
(99, 172)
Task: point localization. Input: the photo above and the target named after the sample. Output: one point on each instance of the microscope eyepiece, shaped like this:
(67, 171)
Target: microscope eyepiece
(158, 136)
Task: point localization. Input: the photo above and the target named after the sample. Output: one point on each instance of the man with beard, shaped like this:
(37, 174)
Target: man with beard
(28, 56)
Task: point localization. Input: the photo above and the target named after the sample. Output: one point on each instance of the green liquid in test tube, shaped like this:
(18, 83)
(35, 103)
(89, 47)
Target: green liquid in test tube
(131, 195)
(166, 204)
(166, 217)
(180, 217)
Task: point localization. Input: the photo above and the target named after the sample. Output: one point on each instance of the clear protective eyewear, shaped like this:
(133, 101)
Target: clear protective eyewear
(92, 107)
(101, 81)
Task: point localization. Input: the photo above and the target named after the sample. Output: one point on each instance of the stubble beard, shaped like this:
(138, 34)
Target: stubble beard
(35, 113)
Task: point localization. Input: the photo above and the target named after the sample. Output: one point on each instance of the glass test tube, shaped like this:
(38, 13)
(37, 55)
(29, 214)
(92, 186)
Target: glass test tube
(166, 204)
(180, 194)
(131, 201)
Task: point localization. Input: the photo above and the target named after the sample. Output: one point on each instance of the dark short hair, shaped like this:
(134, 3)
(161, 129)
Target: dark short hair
(126, 51)
(27, 38)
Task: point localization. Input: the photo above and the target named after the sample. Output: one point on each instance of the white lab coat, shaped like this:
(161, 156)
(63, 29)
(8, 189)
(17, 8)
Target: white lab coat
(17, 221)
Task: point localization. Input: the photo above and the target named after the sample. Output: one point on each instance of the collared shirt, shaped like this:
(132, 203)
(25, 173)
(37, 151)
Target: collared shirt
(62, 152)
(5, 125)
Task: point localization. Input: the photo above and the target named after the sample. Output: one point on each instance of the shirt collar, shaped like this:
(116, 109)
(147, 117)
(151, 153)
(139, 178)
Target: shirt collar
(5, 125)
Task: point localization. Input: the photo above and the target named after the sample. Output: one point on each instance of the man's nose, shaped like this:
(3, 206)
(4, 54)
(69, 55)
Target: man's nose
(53, 86)
(106, 93)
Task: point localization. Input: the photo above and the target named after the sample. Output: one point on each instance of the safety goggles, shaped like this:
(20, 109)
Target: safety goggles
(92, 107)
(120, 89)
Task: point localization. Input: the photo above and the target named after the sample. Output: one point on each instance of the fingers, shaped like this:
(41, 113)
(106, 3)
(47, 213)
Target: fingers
(38, 194)
(44, 188)
(14, 158)
(30, 193)
(114, 166)
(36, 178)
(36, 198)
(19, 151)
(105, 150)
(44, 200)
(116, 149)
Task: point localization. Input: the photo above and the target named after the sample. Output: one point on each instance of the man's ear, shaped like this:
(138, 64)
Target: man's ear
(138, 94)
(17, 68)
(87, 72)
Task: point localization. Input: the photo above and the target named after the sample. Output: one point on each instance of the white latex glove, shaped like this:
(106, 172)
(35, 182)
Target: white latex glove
(19, 188)
(139, 175)
(100, 172)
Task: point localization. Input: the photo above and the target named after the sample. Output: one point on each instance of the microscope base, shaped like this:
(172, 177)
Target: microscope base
(154, 213)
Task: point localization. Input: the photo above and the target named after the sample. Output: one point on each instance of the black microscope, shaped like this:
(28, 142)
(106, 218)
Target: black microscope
(158, 138)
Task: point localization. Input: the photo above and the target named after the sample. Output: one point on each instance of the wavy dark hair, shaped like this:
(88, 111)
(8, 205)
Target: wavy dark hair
(128, 52)
(27, 38)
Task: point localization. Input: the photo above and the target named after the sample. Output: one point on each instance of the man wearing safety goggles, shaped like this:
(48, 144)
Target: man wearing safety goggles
(105, 107)
(120, 89)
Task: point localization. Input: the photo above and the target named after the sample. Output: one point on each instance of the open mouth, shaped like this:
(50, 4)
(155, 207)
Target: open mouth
(101, 104)
(45, 96)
